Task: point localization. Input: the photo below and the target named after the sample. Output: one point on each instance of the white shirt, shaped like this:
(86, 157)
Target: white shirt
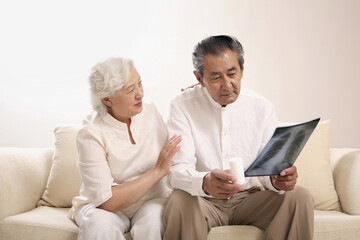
(108, 158)
(212, 134)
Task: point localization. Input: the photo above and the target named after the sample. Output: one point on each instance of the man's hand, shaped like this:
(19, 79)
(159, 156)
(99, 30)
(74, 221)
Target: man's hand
(286, 180)
(219, 184)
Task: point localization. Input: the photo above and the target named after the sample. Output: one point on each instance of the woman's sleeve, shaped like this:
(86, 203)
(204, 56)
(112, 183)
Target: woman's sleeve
(93, 166)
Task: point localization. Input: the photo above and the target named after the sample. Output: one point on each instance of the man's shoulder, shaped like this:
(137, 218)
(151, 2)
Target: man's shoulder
(246, 92)
(188, 95)
(253, 96)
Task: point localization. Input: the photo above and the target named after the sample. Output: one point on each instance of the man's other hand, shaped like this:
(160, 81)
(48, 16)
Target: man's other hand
(286, 180)
(219, 184)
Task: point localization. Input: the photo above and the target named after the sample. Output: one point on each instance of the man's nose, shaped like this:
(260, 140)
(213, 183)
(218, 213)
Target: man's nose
(227, 83)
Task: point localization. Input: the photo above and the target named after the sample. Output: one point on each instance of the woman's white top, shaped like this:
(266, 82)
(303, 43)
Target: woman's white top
(106, 156)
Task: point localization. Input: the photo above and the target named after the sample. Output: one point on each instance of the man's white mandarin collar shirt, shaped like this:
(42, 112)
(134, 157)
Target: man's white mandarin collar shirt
(212, 135)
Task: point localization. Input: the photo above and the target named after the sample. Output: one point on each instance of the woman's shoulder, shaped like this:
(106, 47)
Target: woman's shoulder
(149, 105)
(151, 116)
(90, 126)
(149, 109)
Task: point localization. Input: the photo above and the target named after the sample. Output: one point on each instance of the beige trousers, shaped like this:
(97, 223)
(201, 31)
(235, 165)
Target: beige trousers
(286, 216)
(97, 224)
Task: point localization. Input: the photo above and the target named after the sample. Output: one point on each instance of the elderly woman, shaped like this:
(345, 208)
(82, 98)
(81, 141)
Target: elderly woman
(123, 155)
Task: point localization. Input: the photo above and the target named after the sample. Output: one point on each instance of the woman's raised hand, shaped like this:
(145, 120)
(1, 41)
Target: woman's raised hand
(166, 155)
(137, 188)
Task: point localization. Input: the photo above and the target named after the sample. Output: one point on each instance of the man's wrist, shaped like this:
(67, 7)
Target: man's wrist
(272, 182)
(205, 185)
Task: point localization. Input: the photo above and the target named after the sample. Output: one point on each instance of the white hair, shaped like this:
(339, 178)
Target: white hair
(106, 78)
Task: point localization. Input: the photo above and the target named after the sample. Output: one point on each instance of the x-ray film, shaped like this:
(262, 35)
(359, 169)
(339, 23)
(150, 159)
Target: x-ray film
(282, 149)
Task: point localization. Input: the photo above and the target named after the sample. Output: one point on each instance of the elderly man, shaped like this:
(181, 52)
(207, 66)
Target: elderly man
(218, 120)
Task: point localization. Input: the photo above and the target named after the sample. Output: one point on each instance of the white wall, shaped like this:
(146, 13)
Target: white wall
(302, 55)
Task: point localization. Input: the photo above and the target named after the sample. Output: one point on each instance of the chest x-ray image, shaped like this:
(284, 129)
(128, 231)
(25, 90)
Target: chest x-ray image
(282, 149)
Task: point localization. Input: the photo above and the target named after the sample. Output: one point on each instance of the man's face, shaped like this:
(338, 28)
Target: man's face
(222, 77)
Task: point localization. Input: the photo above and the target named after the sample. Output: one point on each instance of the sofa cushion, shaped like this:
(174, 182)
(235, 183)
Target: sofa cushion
(335, 225)
(23, 177)
(233, 232)
(40, 223)
(314, 169)
(64, 180)
(347, 178)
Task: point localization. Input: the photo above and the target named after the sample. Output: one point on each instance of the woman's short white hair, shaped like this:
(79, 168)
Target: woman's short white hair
(106, 78)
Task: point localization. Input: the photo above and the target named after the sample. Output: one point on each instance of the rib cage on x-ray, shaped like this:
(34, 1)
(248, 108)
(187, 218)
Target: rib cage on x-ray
(282, 149)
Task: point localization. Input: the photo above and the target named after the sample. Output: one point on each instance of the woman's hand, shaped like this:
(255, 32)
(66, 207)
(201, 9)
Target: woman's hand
(166, 155)
(137, 188)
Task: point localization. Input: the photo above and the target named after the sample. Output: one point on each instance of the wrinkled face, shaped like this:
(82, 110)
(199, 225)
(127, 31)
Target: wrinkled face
(222, 76)
(127, 101)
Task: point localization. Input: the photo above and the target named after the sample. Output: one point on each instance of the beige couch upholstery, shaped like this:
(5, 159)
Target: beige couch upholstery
(37, 186)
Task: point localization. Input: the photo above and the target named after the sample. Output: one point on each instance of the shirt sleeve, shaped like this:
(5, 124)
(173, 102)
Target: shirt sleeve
(269, 128)
(183, 174)
(161, 125)
(93, 166)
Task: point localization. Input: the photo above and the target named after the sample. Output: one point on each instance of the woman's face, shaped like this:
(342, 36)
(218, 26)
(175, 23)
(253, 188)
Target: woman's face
(127, 101)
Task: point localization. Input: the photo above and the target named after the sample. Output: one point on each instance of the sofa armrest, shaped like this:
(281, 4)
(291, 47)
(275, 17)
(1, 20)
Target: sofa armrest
(347, 178)
(23, 178)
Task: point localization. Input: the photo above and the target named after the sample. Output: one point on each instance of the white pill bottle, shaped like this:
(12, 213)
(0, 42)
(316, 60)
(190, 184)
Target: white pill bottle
(236, 169)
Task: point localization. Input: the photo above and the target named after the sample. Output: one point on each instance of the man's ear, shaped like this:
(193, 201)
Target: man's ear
(198, 77)
(107, 101)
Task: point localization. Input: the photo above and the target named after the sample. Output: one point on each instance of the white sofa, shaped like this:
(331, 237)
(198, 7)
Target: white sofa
(37, 185)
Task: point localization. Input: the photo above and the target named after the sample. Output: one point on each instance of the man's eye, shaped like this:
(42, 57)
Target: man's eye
(131, 91)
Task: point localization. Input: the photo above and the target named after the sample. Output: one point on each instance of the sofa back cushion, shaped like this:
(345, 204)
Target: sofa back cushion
(315, 174)
(23, 176)
(64, 180)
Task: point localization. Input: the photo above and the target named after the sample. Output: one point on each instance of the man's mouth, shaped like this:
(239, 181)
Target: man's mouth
(228, 94)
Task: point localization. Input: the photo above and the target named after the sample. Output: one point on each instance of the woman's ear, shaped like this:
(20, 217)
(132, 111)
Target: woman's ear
(107, 101)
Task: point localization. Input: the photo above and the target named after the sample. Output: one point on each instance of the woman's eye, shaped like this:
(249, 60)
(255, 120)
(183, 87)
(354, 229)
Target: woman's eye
(131, 91)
